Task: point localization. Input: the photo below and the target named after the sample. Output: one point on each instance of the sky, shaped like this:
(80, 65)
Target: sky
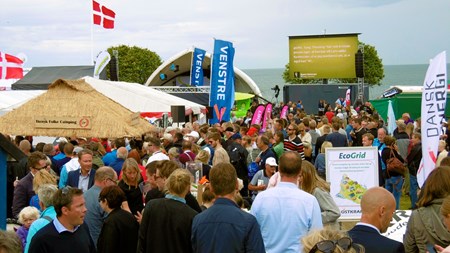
(59, 32)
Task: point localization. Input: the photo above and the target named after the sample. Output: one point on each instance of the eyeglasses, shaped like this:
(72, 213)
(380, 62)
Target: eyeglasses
(112, 180)
(328, 246)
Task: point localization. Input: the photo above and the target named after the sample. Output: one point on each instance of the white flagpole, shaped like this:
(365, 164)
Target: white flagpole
(92, 34)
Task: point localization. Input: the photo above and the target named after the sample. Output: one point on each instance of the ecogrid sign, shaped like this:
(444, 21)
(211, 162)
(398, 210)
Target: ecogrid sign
(351, 171)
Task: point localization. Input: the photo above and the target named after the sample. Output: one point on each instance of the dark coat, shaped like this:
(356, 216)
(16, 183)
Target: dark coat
(22, 194)
(119, 233)
(74, 176)
(413, 158)
(166, 227)
(373, 242)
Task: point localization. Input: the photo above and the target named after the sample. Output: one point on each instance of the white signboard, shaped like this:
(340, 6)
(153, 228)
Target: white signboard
(351, 171)
(397, 227)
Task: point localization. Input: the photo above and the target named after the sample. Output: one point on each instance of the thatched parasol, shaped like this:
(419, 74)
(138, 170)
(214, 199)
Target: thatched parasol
(73, 108)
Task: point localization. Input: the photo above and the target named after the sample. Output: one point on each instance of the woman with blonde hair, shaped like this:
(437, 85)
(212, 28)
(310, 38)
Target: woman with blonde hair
(129, 183)
(174, 155)
(170, 216)
(42, 177)
(425, 225)
(203, 157)
(310, 182)
(319, 163)
(330, 241)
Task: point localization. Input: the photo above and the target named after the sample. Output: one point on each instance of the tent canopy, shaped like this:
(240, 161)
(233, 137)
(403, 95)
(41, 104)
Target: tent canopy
(12, 99)
(39, 78)
(135, 97)
(73, 107)
(139, 98)
(401, 103)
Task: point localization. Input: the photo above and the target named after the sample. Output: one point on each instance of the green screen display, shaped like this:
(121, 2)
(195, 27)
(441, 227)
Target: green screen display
(323, 56)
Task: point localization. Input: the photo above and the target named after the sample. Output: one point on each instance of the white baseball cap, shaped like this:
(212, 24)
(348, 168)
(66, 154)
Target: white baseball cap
(271, 161)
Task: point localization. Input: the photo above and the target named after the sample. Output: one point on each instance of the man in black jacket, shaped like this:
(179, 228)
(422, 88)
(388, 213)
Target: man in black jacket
(413, 159)
(377, 207)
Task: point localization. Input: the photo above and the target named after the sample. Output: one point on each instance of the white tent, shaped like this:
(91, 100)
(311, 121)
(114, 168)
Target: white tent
(139, 98)
(149, 102)
(11, 99)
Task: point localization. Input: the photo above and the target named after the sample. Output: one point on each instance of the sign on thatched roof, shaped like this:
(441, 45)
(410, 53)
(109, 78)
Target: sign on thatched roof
(73, 107)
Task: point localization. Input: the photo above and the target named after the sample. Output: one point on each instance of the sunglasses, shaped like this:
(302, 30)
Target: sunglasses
(41, 167)
(290, 129)
(328, 246)
(66, 190)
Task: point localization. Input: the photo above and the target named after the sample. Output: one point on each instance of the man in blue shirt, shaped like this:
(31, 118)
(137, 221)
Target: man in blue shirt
(286, 213)
(224, 227)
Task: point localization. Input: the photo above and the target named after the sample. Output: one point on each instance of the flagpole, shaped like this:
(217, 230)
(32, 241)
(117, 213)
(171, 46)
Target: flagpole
(92, 34)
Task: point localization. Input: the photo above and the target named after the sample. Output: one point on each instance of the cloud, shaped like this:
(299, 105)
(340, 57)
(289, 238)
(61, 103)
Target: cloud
(58, 32)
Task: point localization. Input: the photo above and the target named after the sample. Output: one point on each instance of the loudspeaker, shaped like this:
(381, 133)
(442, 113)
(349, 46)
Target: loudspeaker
(359, 64)
(209, 112)
(113, 69)
(177, 112)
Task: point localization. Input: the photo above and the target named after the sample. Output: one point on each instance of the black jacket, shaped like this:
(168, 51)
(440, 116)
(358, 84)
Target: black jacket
(373, 242)
(413, 158)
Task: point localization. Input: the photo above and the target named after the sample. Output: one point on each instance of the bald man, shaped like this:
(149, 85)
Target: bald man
(377, 207)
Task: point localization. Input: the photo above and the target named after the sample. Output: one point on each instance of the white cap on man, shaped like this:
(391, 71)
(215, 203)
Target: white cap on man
(271, 161)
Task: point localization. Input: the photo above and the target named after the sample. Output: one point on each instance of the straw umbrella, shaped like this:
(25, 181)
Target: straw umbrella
(73, 108)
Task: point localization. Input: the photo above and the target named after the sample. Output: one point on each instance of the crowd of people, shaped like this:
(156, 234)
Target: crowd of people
(136, 195)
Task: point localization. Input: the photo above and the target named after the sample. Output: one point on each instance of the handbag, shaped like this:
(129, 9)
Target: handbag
(393, 164)
(252, 168)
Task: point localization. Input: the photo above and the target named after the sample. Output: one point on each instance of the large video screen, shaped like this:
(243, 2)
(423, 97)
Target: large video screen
(323, 56)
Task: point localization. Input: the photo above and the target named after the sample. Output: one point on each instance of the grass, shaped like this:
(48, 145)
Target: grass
(405, 202)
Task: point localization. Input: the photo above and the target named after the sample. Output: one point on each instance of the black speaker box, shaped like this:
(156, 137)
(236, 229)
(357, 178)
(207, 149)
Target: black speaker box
(209, 112)
(359, 64)
(177, 112)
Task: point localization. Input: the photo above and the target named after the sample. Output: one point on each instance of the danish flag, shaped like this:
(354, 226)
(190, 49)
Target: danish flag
(10, 67)
(103, 16)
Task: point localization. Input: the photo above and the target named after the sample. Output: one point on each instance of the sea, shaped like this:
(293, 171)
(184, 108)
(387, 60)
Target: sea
(394, 75)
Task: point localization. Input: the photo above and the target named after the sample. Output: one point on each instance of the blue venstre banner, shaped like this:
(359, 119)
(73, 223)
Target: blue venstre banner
(221, 97)
(197, 70)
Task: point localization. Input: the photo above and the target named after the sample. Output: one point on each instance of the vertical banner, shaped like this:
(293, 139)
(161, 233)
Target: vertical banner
(267, 116)
(197, 67)
(258, 115)
(101, 62)
(392, 125)
(221, 97)
(434, 98)
(284, 110)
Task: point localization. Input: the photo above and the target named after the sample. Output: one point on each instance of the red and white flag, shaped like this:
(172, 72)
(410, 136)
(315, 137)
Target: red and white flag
(10, 67)
(347, 96)
(103, 16)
